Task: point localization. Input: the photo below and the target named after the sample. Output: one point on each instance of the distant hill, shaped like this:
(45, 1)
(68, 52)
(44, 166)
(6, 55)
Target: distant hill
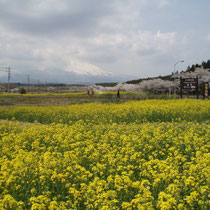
(107, 84)
(203, 65)
(160, 84)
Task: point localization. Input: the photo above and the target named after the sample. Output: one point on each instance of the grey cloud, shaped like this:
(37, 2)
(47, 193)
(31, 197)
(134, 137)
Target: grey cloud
(104, 58)
(77, 17)
(113, 34)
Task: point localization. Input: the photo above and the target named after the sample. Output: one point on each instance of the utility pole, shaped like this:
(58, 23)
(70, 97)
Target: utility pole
(9, 76)
(8, 70)
(46, 85)
(38, 86)
(28, 83)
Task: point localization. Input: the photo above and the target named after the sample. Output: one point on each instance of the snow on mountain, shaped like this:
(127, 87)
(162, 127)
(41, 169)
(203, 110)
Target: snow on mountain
(76, 73)
(84, 68)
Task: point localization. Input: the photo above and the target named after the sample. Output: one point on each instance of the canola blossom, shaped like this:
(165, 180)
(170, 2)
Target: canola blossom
(129, 112)
(106, 158)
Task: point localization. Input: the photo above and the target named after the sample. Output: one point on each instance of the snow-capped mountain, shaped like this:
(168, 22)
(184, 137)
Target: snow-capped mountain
(87, 76)
(72, 72)
(84, 68)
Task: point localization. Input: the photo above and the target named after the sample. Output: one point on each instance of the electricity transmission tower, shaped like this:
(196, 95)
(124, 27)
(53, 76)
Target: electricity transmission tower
(8, 70)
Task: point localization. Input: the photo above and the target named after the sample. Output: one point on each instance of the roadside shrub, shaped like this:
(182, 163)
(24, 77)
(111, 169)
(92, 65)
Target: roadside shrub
(22, 91)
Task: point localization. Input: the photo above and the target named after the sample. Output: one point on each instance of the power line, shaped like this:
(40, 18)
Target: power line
(22, 76)
(25, 77)
(8, 70)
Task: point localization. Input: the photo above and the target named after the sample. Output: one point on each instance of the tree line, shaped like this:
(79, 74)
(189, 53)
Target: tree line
(204, 64)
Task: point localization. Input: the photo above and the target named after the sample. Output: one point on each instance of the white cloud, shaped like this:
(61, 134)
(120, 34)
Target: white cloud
(78, 35)
(163, 3)
(72, 53)
(208, 37)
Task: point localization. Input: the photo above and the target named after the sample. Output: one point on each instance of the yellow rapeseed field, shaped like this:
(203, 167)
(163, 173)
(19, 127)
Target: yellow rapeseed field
(129, 112)
(137, 155)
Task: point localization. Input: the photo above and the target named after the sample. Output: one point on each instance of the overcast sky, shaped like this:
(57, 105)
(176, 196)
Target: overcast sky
(134, 37)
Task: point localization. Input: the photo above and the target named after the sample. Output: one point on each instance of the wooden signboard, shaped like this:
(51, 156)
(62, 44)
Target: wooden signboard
(189, 84)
